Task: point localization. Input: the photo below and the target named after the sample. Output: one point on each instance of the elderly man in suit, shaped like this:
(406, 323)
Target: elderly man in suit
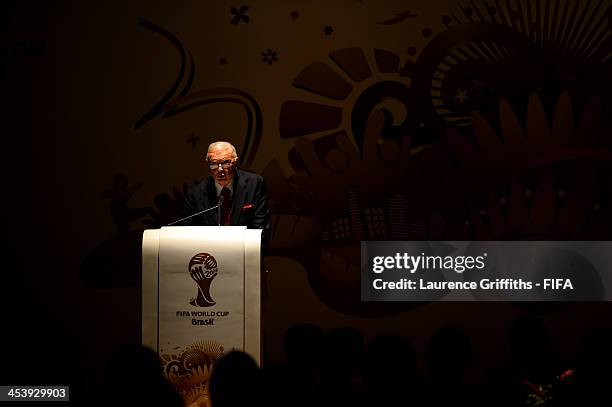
(245, 201)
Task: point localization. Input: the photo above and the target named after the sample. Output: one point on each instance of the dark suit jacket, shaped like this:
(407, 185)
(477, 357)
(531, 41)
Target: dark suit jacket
(248, 189)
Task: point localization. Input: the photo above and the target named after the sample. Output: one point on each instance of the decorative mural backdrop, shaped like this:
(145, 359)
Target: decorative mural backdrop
(494, 124)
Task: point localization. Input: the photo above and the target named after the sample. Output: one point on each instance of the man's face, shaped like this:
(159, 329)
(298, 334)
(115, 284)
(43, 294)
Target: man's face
(225, 165)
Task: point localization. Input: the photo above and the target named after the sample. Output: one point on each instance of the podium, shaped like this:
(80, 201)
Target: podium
(201, 298)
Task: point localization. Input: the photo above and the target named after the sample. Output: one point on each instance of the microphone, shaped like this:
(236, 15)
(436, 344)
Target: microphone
(219, 203)
(199, 213)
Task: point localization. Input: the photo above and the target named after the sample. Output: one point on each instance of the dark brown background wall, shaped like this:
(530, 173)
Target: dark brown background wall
(94, 152)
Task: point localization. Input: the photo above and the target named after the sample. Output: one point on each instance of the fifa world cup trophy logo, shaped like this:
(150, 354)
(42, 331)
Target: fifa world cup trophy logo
(203, 268)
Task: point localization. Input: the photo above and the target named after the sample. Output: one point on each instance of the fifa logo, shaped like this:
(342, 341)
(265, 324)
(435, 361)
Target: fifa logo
(203, 269)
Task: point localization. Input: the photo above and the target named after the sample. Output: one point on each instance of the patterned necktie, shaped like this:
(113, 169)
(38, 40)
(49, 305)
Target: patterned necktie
(226, 207)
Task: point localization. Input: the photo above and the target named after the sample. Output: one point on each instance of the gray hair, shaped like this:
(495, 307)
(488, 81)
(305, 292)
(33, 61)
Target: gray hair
(221, 145)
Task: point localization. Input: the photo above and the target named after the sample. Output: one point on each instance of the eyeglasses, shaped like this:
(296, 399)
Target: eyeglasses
(223, 165)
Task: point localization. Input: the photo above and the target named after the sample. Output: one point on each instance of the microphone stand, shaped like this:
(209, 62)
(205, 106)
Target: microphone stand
(219, 210)
(217, 206)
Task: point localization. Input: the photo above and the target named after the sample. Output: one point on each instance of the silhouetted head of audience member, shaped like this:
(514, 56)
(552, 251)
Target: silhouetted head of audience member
(133, 374)
(595, 357)
(341, 381)
(304, 346)
(449, 353)
(235, 381)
